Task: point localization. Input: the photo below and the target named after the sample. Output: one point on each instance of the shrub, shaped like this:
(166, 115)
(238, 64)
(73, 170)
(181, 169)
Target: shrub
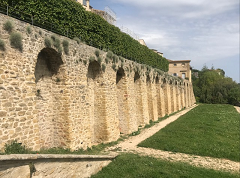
(121, 59)
(106, 60)
(29, 30)
(136, 69)
(110, 54)
(99, 59)
(122, 64)
(2, 45)
(56, 43)
(16, 41)
(8, 26)
(85, 62)
(115, 59)
(15, 148)
(91, 59)
(40, 32)
(97, 53)
(48, 42)
(65, 44)
(77, 40)
(114, 67)
(103, 67)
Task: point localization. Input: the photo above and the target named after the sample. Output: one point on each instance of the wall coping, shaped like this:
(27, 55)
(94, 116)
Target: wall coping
(19, 157)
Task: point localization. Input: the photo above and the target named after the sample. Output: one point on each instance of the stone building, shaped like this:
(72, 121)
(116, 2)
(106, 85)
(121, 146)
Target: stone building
(181, 69)
(142, 42)
(85, 4)
(159, 53)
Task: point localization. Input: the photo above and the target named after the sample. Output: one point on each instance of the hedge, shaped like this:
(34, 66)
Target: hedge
(91, 28)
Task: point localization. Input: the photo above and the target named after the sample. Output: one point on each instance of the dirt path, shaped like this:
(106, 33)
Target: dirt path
(130, 145)
(237, 108)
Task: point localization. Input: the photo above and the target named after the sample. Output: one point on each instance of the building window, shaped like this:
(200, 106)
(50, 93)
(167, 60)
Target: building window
(175, 74)
(85, 2)
(175, 64)
(183, 64)
(183, 75)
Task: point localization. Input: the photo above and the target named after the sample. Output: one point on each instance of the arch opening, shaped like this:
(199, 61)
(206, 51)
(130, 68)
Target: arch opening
(165, 92)
(122, 101)
(94, 70)
(97, 97)
(158, 95)
(150, 98)
(48, 63)
(138, 99)
(53, 124)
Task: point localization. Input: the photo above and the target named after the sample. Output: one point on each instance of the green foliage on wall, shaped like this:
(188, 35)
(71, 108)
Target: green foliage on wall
(93, 29)
(16, 41)
(8, 26)
(2, 45)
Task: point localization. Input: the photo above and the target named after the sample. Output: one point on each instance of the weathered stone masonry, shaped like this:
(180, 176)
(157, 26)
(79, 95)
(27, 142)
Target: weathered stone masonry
(49, 99)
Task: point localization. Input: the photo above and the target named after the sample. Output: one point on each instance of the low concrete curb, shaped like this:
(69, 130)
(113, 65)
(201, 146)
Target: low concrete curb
(52, 165)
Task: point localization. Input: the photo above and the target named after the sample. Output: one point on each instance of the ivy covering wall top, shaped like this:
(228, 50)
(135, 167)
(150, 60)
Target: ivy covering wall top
(91, 28)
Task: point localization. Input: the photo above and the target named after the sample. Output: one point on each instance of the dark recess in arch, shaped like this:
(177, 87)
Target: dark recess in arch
(136, 76)
(120, 75)
(94, 70)
(48, 63)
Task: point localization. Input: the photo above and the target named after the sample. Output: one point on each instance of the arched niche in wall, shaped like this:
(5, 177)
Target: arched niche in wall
(97, 103)
(149, 96)
(166, 95)
(122, 101)
(94, 71)
(177, 96)
(53, 123)
(158, 94)
(48, 63)
(156, 80)
(138, 99)
(136, 77)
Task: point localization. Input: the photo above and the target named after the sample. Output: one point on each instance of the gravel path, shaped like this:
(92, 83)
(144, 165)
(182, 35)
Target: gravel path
(237, 108)
(130, 145)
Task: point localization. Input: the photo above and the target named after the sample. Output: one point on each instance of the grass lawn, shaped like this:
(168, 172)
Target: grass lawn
(207, 130)
(135, 166)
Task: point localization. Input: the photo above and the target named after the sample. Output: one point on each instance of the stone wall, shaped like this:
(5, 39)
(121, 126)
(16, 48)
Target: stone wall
(52, 166)
(75, 100)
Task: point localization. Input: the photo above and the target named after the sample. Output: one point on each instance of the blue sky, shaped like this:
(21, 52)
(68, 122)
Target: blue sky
(203, 31)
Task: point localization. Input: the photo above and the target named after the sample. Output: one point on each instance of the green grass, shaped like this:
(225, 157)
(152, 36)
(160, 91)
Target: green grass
(207, 130)
(135, 166)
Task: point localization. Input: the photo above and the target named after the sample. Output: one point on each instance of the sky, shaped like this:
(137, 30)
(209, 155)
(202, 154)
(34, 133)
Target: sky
(203, 31)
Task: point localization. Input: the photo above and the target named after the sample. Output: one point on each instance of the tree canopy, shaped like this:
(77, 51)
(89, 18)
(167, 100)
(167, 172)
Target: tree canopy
(211, 86)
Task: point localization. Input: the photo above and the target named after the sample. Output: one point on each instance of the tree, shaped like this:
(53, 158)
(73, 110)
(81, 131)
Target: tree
(211, 86)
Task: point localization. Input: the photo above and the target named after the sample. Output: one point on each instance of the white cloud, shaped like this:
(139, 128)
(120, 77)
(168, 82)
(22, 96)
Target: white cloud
(182, 8)
(198, 30)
